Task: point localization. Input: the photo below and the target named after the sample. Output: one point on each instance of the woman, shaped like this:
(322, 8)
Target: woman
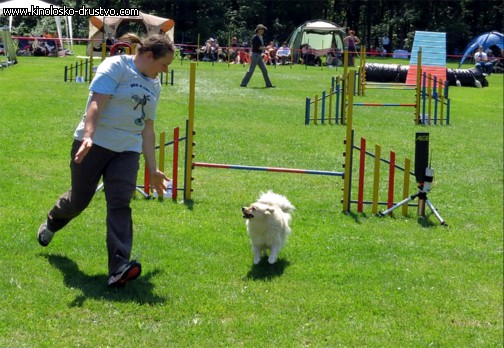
(256, 58)
(351, 41)
(117, 126)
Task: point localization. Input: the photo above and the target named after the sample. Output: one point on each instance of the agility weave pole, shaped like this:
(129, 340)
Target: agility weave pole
(348, 166)
(337, 92)
(339, 87)
(392, 166)
(433, 106)
(434, 91)
(340, 94)
(431, 100)
(161, 164)
(83, 71)
(80, 72)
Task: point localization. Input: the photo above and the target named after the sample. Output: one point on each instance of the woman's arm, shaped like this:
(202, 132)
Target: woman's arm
(149, 147)
(95, 107)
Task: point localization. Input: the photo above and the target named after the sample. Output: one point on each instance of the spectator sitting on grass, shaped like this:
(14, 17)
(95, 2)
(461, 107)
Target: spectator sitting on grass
(283, 54)
(482, 63)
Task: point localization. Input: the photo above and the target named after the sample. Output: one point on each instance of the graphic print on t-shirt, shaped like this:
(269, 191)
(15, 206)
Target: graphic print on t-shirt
(140, 102)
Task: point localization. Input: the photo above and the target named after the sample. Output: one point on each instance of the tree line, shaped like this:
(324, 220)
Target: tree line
(370, 19)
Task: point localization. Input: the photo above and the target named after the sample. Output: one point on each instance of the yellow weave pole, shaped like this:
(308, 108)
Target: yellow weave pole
(345, 63)
(90, 67)
(376, 179)
(407, 166)
(315, 109)
(351, 85)
(190, 135)
(362, 64)
(161, 162)
(348, 146)
(103, 51)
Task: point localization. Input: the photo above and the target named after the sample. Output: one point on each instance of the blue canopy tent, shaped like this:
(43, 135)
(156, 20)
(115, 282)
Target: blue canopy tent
(486, 40)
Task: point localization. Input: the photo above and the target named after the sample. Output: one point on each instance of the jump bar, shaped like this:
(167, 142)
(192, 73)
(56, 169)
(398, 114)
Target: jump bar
(267, 169)
(381, 104)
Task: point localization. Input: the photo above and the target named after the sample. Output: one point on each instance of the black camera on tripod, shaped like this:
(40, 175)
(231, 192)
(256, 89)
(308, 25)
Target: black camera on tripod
(421, 156)
(424, 175)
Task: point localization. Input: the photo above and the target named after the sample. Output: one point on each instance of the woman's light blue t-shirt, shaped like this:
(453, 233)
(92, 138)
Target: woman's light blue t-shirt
(133, 100)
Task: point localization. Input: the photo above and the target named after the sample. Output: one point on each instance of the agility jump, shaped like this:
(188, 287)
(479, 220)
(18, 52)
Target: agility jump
(346, 175)
(190, 164)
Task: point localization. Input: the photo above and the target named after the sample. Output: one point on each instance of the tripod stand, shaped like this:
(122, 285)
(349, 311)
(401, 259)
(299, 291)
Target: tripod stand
(423, 188)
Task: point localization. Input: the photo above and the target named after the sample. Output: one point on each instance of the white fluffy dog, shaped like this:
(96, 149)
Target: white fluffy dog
(268, 224)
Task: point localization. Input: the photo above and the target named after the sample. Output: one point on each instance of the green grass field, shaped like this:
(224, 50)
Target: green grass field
(349, 280)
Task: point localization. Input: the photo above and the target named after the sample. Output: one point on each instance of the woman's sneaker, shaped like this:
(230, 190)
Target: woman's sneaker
(125, 273)
(44, 234)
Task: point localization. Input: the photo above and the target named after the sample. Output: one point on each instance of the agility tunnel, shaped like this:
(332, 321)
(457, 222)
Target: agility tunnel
(428, 54)
(396, 73)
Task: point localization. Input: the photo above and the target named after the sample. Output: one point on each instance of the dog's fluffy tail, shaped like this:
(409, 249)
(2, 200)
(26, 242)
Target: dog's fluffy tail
(272, 198)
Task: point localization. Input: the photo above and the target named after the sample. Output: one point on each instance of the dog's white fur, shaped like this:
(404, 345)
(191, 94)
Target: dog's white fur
(268, 224)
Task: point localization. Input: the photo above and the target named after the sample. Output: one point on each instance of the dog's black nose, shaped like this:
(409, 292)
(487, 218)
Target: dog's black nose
(243, 208)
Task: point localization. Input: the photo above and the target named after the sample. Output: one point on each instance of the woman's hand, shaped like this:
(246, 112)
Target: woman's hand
(96, 105)
(86, 145)
(157, 180)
